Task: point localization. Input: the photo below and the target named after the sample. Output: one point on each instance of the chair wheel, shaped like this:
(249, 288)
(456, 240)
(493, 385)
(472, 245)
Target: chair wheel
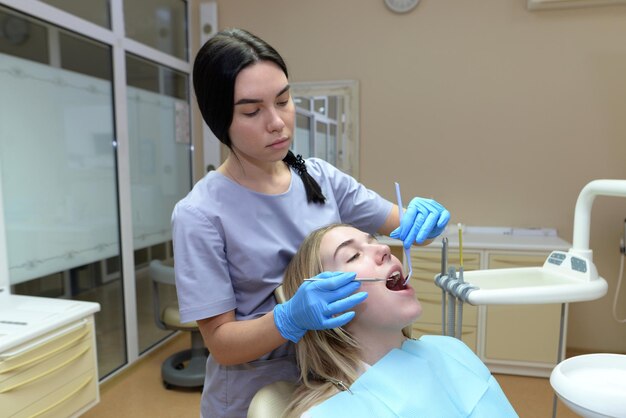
(167, 385)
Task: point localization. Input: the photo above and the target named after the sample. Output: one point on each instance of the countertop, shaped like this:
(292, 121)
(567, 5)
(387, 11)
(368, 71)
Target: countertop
(497, 238)
(23, 318)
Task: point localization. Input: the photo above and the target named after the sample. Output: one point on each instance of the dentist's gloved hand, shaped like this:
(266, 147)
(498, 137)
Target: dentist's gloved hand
(424, 219)
(315, 305)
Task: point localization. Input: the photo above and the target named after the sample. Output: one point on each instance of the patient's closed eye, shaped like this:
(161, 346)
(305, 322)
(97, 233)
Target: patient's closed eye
(354, 257)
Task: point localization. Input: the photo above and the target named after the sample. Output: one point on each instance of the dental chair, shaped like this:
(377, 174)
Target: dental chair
(272, 400)
(185, 368)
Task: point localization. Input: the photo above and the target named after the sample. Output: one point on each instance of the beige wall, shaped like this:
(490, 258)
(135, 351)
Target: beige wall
(500, 113)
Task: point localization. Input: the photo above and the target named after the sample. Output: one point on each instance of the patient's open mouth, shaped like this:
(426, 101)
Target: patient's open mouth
(395, 282)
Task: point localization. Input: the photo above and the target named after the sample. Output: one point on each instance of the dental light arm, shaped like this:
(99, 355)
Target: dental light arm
(582, 214)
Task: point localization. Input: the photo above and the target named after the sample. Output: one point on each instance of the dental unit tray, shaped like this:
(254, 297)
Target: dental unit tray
(563, 278)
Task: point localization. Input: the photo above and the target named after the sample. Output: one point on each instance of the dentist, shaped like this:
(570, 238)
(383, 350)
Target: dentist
(240, 225)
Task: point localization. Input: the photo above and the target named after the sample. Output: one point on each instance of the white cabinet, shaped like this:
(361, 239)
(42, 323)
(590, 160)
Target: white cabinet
(513, 339)
(521, 339)
(48, 364)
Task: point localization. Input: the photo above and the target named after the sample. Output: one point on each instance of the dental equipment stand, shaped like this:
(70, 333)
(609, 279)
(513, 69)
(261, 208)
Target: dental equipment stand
(564, 277)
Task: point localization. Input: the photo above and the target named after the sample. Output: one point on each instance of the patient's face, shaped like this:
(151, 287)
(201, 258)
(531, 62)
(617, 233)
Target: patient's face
(349, 249)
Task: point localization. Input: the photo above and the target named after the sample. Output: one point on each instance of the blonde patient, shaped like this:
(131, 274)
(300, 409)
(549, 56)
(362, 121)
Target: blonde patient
(369, 366)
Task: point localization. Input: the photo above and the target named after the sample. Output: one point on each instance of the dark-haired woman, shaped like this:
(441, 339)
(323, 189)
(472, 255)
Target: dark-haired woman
(235, 232)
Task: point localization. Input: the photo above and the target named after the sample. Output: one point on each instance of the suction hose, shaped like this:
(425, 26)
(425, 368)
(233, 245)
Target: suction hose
(622, 250)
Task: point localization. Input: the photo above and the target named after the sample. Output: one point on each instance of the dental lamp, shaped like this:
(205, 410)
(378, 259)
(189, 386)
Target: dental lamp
(592, 385)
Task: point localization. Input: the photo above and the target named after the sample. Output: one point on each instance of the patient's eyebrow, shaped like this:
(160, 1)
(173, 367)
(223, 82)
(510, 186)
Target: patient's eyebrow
(346, 243)
(248, 101)
(342, 245)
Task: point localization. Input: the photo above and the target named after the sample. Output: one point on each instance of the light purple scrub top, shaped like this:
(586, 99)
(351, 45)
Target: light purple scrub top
(231, 247)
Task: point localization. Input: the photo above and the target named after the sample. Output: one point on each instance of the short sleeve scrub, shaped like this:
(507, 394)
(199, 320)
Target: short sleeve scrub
(231, 247)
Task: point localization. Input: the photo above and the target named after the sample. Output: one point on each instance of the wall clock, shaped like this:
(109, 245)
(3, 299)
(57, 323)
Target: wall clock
(401, 6)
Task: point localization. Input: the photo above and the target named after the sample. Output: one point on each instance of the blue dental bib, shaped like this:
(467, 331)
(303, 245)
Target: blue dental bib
(434, 376)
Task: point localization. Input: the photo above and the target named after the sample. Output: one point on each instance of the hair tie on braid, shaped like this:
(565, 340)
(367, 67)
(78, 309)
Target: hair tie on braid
(299, 165)
(313, 190)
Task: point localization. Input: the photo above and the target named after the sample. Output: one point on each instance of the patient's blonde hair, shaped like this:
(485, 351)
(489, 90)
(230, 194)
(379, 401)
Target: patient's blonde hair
(324, 357)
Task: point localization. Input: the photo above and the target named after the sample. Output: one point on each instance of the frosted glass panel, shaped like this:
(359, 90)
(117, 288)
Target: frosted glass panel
(160, 166)
(57, 168)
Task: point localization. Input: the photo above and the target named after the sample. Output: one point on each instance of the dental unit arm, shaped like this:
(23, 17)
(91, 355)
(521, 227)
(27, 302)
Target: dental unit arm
(564, 277)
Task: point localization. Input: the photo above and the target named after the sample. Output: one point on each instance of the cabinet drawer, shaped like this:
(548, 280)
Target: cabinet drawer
(427, 265)
(431, 310)
(64, 401)
(43, 348)
(431, 260)
(32, 371)
(528, 333)
(524, 333)
(468, 333)
(504, 260)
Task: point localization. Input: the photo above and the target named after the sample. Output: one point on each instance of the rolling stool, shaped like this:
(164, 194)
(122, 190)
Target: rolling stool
(186, 368)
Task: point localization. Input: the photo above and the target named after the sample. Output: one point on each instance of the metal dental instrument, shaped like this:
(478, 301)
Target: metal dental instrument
(359, 279)
(459, 313)
(450, 330)
(407, 251)
(454, 292)
(444, 270)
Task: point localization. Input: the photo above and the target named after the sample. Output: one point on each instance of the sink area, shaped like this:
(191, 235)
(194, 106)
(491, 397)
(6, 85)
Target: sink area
(592, 385)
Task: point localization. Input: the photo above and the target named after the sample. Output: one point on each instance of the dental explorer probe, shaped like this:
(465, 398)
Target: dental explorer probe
(444, 270)
(459, 307)
(407, 251)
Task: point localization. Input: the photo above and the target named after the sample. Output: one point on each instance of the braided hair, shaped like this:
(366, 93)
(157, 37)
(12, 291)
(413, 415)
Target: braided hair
(215, 70)
(313, 191)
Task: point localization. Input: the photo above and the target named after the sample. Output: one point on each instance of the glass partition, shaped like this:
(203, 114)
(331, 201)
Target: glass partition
(72, 141)
(158, 123)
(58, 174)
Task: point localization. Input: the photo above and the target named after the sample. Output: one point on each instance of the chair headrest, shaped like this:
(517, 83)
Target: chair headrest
(271, 400)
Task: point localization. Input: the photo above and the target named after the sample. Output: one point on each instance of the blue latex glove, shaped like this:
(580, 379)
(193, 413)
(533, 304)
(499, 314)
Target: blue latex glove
(424, 219)
(315, 305)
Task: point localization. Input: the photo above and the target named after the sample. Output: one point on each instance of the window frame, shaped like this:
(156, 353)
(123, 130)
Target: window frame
(348, 136)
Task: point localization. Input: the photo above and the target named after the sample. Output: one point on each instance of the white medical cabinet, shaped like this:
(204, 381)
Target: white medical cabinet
(48, 364)
(512, 339)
